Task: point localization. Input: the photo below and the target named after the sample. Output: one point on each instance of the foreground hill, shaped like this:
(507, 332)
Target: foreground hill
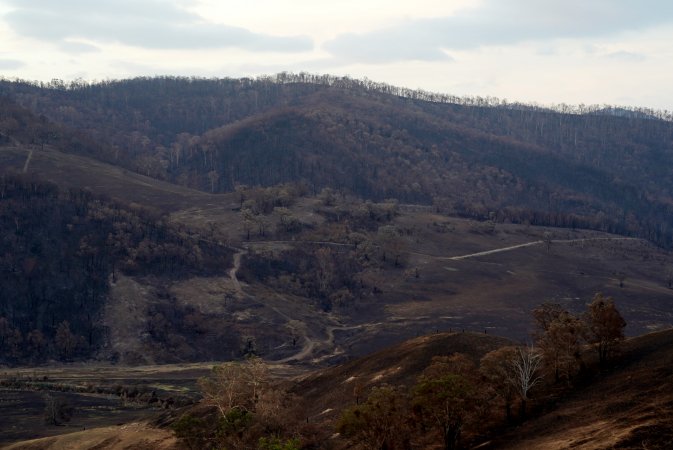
(628, 405)
(323, 394)
(329, 391)
(566, 167)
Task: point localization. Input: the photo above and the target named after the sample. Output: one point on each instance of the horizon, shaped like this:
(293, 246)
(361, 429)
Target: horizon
(442, 97)
(601, 53)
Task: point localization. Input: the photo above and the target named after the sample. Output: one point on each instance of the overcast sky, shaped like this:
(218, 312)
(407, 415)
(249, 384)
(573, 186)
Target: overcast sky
(545, 51)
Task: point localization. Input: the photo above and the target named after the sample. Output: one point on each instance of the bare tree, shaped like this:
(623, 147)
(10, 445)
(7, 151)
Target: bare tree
(15, 343)
(65, 340)
(545, 315)
(37, 343)
(526, 365)
(391, 243)
(214, 177)
(325, 269)
(297, 329)
(248, 222)
(327, 197)
(56, 410)
(235, 386)
(621, 276)
(241, 190)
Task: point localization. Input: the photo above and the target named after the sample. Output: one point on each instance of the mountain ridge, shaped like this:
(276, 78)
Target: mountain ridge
(608, 171)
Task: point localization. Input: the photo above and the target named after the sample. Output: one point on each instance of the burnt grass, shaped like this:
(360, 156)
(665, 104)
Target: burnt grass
(96, 402)
(22, 413)
(626, 405)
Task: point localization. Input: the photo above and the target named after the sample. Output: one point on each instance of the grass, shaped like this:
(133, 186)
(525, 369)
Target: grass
(629, 406)
(138, 436)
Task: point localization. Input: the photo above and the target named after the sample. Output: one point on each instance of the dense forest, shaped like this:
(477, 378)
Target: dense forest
(59, 252)
(603, 168)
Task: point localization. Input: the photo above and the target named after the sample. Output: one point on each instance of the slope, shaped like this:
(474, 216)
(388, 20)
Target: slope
(81, 172)
(133, 435)
(566, 167)
(629, 407)
(329, 391)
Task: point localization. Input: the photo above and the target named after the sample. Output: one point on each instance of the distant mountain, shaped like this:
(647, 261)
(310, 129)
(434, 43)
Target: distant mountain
(600, 168)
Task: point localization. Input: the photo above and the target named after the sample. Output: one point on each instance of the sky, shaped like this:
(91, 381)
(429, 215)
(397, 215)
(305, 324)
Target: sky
(617, 52)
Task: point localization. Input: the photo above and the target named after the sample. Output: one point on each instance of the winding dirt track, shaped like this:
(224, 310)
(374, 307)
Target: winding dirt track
(490, 252)
(312, 345)
(530, 244)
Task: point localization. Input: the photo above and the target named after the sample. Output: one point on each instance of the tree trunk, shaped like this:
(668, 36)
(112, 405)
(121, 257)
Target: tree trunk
(451, 436)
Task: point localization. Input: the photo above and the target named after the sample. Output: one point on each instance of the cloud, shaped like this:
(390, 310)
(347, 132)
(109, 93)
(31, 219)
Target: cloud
(78, 47)
(155, 24)
(398, 44)
(616, 55)
(496, 22)
(626, 56)
(11, 64)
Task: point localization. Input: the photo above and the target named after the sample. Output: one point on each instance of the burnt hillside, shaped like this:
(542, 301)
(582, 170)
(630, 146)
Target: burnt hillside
(599, 168)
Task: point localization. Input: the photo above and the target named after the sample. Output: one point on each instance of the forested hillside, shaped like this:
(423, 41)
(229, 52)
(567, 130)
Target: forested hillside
(603, 168)
(60, 251)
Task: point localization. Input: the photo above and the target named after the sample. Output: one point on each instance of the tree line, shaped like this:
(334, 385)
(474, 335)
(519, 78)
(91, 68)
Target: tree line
(347, 82)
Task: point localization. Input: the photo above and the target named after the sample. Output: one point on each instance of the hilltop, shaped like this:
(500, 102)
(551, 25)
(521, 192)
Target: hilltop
(584, 167)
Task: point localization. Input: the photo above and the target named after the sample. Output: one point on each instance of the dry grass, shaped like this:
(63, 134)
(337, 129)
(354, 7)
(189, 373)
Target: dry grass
(630, 407)
(137, 436)
(68, 170)
(335, 388)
